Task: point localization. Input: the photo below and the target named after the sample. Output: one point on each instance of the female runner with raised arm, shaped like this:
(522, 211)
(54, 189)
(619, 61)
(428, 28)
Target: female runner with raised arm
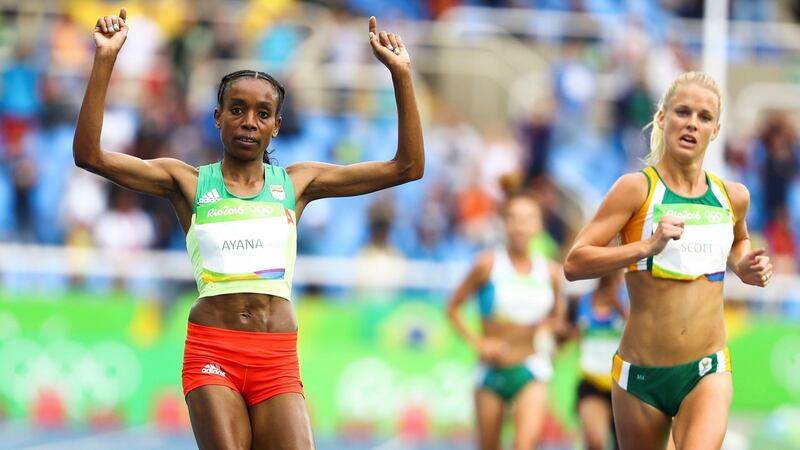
(240, 370)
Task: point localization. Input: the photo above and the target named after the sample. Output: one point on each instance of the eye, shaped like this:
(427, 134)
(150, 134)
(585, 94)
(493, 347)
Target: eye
(263, 114)
(706, 118)
(236, 110)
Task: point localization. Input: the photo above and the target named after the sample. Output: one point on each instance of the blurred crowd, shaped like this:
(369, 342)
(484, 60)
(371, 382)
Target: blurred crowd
(569, 146)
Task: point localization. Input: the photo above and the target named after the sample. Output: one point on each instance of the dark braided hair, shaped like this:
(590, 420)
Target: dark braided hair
(228, 79)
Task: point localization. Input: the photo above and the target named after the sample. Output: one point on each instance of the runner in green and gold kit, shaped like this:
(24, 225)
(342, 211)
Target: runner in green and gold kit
(679, 229)
(519, 296)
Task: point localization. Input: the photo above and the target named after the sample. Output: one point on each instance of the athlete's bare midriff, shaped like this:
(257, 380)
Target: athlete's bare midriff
(518, 338)
(672, 322)
(245, 312)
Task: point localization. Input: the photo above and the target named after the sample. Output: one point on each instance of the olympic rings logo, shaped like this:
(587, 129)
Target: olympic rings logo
(713, 216)
(259, 210)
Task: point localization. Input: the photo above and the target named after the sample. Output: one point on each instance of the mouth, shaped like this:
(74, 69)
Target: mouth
(246, 141)
(688, 140)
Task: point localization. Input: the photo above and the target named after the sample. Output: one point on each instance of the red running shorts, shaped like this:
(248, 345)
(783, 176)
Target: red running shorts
(256, 365)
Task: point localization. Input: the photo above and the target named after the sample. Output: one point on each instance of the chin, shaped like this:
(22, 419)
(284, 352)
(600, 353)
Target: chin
(245, 156)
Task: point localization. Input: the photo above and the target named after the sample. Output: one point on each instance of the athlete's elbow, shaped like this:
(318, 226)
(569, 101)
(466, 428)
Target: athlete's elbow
(572, 270)
(84, 159)
(83, 163)
(415, 173)
(411, 172)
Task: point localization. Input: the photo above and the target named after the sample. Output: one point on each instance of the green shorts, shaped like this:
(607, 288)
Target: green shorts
(507, 381)
(665, 387)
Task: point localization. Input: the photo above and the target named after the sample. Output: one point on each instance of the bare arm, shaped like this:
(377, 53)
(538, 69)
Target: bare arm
(158, 176)
(478, 276)
(750, 266)
(315, 180)
(558, 316)
(590, 256)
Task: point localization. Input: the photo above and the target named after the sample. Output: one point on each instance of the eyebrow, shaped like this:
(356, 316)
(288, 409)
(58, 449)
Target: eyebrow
(261, 104)
(702, 110)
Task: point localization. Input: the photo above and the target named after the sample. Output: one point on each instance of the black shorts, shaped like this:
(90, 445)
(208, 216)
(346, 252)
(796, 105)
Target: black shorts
(587, 389)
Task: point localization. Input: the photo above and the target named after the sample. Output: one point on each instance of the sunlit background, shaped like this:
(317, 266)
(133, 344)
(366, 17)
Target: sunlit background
(95, 283)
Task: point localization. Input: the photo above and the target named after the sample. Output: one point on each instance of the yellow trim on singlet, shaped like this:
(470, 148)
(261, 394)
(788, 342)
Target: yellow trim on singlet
(632, 231)
(724, 190)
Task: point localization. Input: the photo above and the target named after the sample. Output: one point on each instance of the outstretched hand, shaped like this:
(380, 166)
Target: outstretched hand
(110, 32)
(754, 268)
(388, 47)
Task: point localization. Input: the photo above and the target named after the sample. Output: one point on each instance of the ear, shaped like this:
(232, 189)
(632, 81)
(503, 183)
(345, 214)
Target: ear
(217, 118)
(660, 117)
(715, 131)
(277, 126)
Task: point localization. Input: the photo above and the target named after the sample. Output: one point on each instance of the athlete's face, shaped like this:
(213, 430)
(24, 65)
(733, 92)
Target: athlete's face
(247, 119)
(523, 220)
(690, 121)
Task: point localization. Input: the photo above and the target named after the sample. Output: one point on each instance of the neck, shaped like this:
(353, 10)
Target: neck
(239, 171)
(688, 179)
(518, 251)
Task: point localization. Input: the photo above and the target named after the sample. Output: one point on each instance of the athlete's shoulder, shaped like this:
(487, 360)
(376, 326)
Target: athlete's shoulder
(633, 181)
(486, 258)
(175, 167)
(484, 263)
(739, 196)
(175, 163)
(630, 189)
(299, 168)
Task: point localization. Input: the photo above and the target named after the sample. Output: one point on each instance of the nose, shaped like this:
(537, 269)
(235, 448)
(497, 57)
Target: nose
(249, 121)
(692, 122)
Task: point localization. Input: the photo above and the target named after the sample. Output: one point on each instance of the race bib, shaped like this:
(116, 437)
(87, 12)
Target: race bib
(703, 247)
(243, 239)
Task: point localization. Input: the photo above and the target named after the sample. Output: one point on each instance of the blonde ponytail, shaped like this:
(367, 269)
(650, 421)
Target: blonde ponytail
(656, 141)
(657, 144)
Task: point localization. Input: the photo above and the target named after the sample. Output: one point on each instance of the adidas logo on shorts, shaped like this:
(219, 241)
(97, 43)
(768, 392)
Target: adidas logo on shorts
(209, 197)
(212, 369)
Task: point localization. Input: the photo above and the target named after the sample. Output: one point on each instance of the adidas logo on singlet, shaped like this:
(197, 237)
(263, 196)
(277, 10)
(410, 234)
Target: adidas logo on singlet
(209, 197)
(212, 369)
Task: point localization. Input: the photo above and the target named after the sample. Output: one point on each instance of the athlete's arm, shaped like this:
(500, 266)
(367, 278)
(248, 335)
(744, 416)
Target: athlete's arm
(591, 257)
(558, 316)
(571, 319)
(315, 180)
(477, 277)
(157, 176)
(749, 265)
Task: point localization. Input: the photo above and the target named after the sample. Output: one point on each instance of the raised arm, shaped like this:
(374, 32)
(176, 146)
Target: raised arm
(751, 266)
(158, 176)
(591, 257)
(314, 180)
